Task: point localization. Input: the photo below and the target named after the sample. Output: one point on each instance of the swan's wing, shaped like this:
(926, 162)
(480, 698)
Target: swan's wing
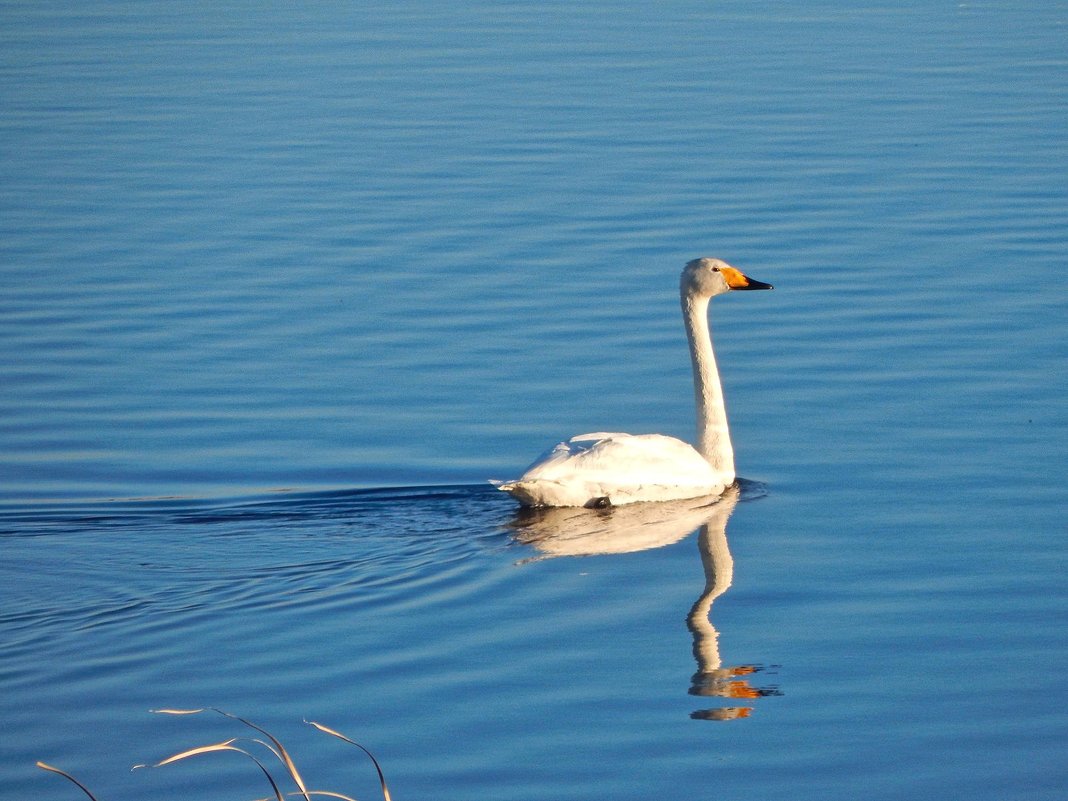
(621, 468)
(624, 459)
(561, 452)
(587, 441)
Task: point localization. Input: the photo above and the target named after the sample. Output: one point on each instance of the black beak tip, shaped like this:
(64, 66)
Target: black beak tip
(757, 285)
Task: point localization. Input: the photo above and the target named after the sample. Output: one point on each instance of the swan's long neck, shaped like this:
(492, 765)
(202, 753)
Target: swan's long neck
(713, 435)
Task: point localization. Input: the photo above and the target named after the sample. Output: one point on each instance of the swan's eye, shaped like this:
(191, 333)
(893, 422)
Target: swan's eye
(715, 269)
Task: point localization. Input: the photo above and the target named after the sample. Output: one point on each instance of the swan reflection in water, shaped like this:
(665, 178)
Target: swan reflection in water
(564, 531)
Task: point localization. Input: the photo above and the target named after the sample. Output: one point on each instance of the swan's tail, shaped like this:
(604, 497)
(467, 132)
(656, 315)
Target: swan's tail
(540, 492)
(520, 490)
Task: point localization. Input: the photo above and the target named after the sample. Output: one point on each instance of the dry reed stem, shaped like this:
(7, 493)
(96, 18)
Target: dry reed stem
(280, 753)
(274, 746)
(340, 736)
(223, 746)
(66, 776)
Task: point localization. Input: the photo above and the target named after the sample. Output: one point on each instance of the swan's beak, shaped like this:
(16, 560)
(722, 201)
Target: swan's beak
(753, 284)
(737, 280)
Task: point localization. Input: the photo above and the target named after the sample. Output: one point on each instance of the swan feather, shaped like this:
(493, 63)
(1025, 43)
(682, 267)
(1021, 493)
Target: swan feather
(624, 468)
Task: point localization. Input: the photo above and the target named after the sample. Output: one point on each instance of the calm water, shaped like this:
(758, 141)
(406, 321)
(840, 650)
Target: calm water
(281, 287)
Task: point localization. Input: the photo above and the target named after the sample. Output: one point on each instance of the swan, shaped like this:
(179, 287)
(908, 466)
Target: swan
(606, 469)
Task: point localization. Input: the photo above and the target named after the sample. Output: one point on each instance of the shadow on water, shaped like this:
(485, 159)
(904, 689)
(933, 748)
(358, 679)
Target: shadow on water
(565, 532)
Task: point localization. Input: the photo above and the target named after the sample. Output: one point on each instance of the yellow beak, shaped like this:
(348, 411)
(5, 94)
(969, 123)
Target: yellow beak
(737, 280)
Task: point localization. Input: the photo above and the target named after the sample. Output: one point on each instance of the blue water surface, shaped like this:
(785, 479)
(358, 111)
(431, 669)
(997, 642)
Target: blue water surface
(282, 286)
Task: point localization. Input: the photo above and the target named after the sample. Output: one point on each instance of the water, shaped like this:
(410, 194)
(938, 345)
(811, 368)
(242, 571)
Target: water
(281, 287)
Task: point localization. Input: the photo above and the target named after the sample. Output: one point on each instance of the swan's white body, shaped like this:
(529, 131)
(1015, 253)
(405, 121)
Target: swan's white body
(608, 468)
(619, 468)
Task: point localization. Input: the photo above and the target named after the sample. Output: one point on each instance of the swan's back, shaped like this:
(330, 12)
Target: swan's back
(613, 468)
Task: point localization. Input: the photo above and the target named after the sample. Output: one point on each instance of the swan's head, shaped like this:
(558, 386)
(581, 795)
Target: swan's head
(707, 277)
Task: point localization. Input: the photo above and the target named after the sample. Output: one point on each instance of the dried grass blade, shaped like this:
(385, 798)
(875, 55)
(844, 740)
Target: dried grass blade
(282, 753)
(340, 736)
(266, 745)
(224, 746)
(66, 776)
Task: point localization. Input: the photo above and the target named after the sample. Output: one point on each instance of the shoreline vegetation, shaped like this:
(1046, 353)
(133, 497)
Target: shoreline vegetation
(271, 744)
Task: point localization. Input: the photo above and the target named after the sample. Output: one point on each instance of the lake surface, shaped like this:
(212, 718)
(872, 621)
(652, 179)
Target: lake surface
(282, 287)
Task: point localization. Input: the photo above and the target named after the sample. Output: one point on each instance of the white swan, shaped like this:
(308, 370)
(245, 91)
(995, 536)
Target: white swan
(603, 468)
